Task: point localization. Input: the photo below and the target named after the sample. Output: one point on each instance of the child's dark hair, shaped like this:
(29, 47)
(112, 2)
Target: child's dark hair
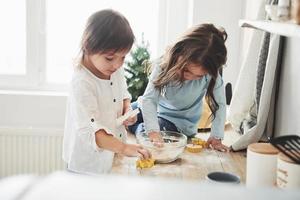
(203, 45)
(106, 30)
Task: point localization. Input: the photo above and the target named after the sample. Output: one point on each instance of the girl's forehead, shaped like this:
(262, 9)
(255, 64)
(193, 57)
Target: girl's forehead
(117, 53)
(194, 65)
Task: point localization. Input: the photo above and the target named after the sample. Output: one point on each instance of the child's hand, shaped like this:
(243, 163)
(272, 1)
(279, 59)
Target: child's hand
(216, 144)
(133, 150)
(156, 139)
(131, 120)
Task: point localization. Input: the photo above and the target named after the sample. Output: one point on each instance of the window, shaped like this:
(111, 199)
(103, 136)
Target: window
(13, 38)
(41, 38)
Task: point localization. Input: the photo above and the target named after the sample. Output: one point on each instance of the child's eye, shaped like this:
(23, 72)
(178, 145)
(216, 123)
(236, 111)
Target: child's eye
(187, 71)
(108, 58)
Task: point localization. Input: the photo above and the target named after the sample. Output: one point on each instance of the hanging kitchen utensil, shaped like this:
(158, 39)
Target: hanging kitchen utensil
(288, 145)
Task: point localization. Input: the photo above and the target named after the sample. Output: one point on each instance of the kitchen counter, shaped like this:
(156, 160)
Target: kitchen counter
(189, 166)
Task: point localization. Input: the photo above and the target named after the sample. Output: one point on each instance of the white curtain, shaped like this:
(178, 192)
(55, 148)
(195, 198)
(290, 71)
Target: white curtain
(244, 97)
(253, 97)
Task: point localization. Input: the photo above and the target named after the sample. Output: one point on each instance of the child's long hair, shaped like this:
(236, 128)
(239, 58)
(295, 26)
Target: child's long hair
(106, 30)
(204, 45)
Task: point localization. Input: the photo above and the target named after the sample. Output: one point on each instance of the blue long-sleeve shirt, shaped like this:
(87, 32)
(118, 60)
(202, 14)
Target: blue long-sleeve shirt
(182, 105)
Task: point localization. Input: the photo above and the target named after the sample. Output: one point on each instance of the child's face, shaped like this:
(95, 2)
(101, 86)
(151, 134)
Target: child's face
(109, 62)
(194, 72)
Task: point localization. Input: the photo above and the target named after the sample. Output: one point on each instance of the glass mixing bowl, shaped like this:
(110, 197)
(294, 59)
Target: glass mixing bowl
(172, 147)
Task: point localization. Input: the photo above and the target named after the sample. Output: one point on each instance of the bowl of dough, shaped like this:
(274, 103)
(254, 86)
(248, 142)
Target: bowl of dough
(169, 150)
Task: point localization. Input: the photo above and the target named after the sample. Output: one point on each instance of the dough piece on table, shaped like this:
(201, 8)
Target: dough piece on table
(144, 163)
(194, 148)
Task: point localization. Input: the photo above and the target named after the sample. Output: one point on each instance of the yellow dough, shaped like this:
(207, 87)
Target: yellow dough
(194, 148)
(198, 141)
(144, 163)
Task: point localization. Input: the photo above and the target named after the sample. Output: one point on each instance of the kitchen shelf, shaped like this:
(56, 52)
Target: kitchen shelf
(282, 28)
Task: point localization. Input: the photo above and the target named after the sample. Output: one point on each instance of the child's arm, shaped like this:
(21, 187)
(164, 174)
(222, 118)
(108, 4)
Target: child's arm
(126, 95)
(217, 128)
(107, 141)
(126, 100)
(127, 108)
(149, 103)
(126, 105)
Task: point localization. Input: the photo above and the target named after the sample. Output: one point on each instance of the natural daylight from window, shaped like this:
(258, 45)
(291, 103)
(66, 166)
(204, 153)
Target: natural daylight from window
(60, 24)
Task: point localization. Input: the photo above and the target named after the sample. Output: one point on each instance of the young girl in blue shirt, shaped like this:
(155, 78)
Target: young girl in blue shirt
(187, 73)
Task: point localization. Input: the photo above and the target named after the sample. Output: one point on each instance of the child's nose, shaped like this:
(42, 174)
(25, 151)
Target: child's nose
(117, 65)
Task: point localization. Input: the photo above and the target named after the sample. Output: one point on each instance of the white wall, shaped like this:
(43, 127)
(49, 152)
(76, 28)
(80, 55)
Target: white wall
(173, 21)
(225, 14)
(288, 106)
(254, 9)
(32, 110)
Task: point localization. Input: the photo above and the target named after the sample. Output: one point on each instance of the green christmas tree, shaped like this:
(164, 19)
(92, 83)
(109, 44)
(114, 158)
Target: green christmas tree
(136, 69)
